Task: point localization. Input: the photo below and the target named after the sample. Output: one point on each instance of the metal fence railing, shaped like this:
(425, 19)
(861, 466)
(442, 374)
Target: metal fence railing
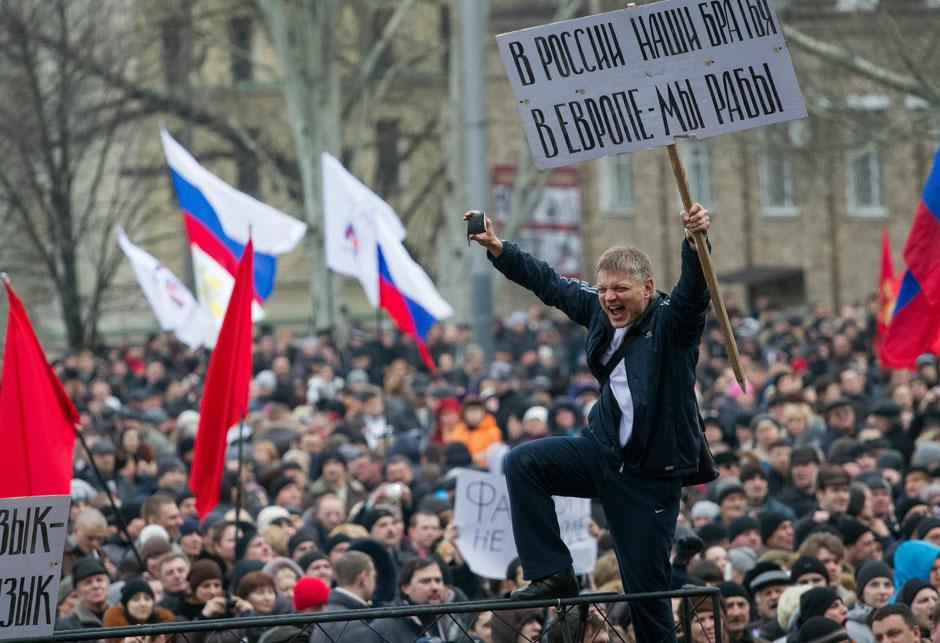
(570, 614)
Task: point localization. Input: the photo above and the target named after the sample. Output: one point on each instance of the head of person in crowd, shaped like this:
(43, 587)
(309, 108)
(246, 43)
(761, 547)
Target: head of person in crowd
(334, 471)
(808, 570)
(728, 465)
(832, 490)
(737, 608)
(823, 601)
(895, 624)
(829, 550)
(303, 542)
(874, 583)
(161, 509)
(191, 537)
(316, 563)
(223, 542)
(917, 559)
(804, 467)
(136, 607)
(744, 531)
(384, 526)
(719, 555)
(205, 581)
(820, 628)
(285, 573)
(699, 611)
(776, 530)
(840, 416)
(732, 500)
(254, 546)
(173, 569)
(171, 474)
(766, 583)
(755, 483)
(704, 512)
(421, 582)
(928, 529)
(258, 589)
(922, 598)
(355, 573)
(329, 512)
(424, 530)
(859, 541)
(103, 455)
(89, 531)
(91, 583)
(516, 626)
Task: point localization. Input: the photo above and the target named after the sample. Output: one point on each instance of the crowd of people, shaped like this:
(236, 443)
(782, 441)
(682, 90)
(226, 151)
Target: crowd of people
(338, 491)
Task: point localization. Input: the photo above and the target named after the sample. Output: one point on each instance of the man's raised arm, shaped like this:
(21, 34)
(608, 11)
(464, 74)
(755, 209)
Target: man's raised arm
(575, 298)
(690, 297)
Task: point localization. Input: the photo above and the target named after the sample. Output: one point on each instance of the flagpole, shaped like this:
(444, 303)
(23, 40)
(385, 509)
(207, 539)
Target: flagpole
(107, 490)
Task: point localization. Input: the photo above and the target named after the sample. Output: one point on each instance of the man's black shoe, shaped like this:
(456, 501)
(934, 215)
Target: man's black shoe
(558, 585)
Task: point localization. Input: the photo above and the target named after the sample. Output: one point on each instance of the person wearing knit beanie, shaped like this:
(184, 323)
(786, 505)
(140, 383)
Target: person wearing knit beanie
(928, 529)
(911, 589)
(822, 601)
(737, 608)
(922, 598)
(859, 541)
(136, 607)
(874, 583)
(133, 587)
(820, 628)
(310, 594)
(809, 570)
(204, 570)
(776, 530)
(744, 532)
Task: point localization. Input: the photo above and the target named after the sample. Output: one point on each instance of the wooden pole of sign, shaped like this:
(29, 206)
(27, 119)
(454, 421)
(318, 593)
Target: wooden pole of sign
(678, 170)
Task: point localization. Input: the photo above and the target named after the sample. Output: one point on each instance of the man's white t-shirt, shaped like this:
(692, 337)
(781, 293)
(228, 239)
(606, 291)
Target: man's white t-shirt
(620, 386)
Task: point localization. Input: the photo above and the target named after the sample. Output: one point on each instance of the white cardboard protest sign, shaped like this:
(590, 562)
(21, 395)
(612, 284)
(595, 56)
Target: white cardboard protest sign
(637, 78)
(481, 511)
(32, 539)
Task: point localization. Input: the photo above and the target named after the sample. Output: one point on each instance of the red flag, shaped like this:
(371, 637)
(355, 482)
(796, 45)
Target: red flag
(887, 295)
(225, 393)
(37, 417)
(915, 325)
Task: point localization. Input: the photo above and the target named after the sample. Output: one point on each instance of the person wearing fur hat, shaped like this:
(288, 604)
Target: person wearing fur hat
(137, 607)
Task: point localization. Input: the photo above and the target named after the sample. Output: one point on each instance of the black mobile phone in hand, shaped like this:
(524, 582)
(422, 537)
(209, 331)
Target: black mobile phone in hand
(475, 225)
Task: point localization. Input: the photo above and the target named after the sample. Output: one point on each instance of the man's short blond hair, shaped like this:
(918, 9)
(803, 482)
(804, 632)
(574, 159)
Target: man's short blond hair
(626, 260)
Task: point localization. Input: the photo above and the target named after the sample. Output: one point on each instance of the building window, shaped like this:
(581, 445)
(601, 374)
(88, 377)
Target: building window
(387, 136)
(864, 181)
(240, 30)
(615, 185)
(777, 185)
(864, 174)
(175, 38)
(698, 170)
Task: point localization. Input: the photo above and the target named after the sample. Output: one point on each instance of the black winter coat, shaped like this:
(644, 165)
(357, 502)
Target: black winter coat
(660, 362)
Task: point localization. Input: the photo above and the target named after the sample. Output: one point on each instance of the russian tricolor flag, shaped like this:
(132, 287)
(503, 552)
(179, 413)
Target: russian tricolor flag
(364, 240)
(915, 323)
(218, 220)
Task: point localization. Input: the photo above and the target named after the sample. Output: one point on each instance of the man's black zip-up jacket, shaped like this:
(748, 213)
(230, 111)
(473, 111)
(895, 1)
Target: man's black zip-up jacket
(660, 362)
